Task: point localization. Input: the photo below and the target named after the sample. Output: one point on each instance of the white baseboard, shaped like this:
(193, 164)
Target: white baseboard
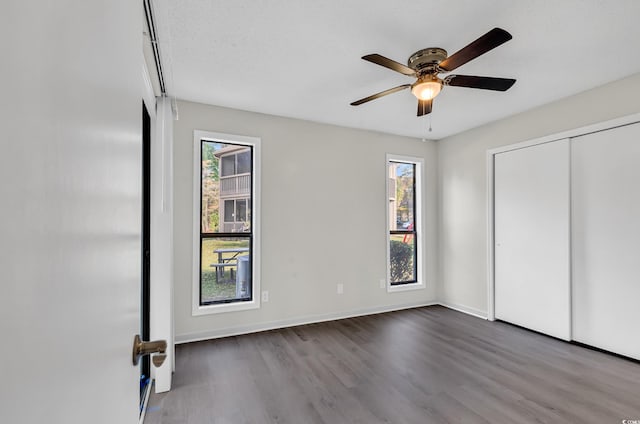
(273, 325)
(465, 309)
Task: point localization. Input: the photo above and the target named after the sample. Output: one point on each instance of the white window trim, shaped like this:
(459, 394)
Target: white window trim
(254, 142)
(418, 218)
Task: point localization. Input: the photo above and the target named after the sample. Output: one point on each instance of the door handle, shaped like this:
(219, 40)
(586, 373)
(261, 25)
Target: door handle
(140, 348)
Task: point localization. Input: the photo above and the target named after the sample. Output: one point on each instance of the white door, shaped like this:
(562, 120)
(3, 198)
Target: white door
(70, 211)
(531, 212)
(606, 239)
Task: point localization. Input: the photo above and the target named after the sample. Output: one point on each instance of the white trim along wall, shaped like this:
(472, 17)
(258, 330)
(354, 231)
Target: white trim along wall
(325, 187)
(463, 180)
(161, 238)
(418, 222)
(301, 157)
(613, 123)
(254, 303)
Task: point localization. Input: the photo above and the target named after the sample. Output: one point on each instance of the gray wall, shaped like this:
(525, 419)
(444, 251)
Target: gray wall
(462, 190)
(323, 219)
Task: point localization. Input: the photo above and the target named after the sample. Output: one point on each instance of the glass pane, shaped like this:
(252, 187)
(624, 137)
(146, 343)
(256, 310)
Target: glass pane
(401, 196)
(228, 165)
(229, 211)
(244, 162)
(241, 210)
(221, 185)
(225, 270)
(402, 258)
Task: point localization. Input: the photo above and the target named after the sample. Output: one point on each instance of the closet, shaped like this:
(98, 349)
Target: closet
(532, 238)
(566, 237)
(605, 223)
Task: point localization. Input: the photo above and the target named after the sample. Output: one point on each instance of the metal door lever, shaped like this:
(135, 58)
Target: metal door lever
(141, 348)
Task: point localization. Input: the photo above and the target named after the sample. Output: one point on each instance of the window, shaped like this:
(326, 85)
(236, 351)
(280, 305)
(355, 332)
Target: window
(236, 211)
(404, 217)
(228, 165)
(236, 163)
(225, 225)
(243, 161)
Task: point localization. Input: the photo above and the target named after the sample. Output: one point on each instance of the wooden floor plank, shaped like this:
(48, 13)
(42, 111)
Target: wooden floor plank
(423, 365)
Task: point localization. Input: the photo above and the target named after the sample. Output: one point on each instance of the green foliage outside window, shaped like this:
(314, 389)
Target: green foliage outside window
(401, 255)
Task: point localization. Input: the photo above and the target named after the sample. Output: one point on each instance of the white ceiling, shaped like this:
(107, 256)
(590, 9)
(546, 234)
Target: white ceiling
(301, 58)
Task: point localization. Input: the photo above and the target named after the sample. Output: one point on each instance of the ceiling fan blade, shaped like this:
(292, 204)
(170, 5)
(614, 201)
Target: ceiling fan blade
(391, 64)
(483, 83)
(424, 107)
(380, 94)
(489, 41)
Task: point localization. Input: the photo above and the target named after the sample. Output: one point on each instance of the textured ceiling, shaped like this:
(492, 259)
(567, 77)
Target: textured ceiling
(301, 59)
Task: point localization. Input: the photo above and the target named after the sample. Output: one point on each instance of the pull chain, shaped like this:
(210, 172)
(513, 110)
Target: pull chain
(429, 122)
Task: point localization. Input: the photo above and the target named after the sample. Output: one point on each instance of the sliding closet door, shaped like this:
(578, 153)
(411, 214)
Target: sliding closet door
(531, 212)
(606, 239)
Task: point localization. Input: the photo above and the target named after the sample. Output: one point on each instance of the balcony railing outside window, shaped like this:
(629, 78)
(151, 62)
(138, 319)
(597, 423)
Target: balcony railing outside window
(235, 185)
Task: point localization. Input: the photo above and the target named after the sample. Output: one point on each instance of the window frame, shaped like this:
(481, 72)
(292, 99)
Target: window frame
(418, 163)
(231, 306)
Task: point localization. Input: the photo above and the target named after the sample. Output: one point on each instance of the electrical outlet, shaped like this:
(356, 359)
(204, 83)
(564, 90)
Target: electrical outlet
(383, 283)
(265, 296)
(340, 288)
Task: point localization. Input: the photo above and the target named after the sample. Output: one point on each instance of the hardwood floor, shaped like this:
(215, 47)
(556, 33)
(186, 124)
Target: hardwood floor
(424, 365)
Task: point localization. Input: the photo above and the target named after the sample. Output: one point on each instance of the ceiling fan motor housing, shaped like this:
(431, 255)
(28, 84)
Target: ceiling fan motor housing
(427, 59)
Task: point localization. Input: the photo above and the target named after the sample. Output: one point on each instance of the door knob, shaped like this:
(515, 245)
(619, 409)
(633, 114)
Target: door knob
(141, 348)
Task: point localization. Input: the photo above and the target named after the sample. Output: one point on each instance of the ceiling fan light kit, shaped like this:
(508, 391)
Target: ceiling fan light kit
(426, 64)
(427, 88)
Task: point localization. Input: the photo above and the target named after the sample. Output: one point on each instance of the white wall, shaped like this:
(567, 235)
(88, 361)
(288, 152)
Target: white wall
(322, 217)
(462, 190)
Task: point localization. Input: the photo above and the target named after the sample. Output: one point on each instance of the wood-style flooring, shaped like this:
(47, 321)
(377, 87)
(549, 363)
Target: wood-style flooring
(423, 365)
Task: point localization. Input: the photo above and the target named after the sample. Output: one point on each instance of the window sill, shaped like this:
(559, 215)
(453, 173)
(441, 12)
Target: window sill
(224, 307)
(405, 287)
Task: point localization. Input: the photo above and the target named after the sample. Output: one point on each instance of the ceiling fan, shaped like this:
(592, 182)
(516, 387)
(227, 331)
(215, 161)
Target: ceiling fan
(426, 64)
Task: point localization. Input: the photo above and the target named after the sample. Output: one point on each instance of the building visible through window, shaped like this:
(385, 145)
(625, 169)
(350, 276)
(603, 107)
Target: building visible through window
(226, 237)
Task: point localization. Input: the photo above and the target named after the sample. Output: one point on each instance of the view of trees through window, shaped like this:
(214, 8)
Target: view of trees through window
(210, 187)
(225, 229)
